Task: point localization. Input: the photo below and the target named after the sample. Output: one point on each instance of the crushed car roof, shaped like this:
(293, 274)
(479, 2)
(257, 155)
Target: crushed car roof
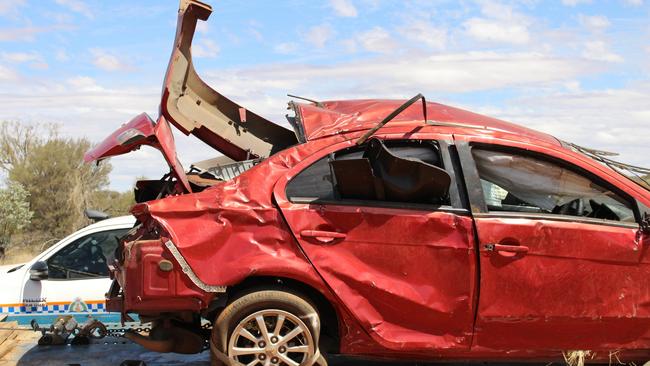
(322, 119)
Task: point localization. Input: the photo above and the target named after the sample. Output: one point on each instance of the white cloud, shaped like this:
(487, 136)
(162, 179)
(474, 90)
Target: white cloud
(377, 40)
(608, 119)
(496, 31)
(202, 27)
(599, 51)
(107, 61)
(86, 109)
(77, 6)
(61, 55)
(397, 77)
(34, 59)
(286, 47)
(84, 83)
(350, 45)
(497, 10)
(256, 34)
(20, 57)
(254, 30)
(500, 24)
(575, 2)
(205, 48)
(318, 35)
(28, 34)
(594, 22)
(344, 8)
(424, 33)
(10, 7)
(633, 2)
(7, 74)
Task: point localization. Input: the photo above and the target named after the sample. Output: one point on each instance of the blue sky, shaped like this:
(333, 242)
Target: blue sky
(578, 69)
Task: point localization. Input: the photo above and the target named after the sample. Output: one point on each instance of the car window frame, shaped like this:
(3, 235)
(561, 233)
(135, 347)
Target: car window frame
(82, 235)
(445, 143)
(477, 199)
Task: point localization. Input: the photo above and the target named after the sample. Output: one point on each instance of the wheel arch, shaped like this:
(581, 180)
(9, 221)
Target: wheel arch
(330, 336)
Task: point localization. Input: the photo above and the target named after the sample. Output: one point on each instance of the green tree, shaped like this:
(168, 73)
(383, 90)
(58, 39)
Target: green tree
(52, 170)
(14, 211)
(112, 202)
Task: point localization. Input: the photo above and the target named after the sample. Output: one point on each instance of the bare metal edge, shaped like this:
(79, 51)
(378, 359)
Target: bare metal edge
(188, 270)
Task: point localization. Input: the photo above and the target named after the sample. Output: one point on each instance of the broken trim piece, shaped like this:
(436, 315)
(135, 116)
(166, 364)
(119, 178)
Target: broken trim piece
(195, 108)
(190, 273)
(394, 114)
(627, 170)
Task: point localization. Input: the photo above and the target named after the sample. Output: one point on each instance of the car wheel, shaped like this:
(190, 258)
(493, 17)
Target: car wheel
(267, 328)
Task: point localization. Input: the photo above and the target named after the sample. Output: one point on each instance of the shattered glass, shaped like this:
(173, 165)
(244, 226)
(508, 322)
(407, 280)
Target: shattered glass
(521, 183)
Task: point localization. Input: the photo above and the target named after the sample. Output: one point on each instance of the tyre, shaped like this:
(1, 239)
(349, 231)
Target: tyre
(266, 328)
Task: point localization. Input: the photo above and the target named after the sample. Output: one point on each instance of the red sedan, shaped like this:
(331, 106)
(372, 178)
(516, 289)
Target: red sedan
(378, 228)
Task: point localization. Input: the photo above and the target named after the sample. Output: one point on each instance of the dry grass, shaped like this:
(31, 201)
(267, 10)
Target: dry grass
(577, 357)
(24, 246)
(20, 255)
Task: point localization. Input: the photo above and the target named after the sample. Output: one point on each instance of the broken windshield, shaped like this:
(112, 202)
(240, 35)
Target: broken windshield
(637, 174)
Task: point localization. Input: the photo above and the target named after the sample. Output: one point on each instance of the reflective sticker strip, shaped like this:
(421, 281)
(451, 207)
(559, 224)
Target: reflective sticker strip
(188, 270)
(96, 306)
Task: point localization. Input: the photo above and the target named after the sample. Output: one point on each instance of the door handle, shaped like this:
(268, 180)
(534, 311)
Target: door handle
(322, 236)
(517, 249)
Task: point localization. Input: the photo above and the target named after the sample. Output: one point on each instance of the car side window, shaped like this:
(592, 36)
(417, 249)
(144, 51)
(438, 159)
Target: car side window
(86, 257)
(409, 171)
(521, 183)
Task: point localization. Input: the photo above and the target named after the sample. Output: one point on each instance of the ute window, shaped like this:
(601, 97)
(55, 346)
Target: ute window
(391, 171)
(86, 257)
(522, 183)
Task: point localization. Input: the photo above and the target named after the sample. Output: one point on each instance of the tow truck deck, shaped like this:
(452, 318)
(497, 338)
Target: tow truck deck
(19, 346)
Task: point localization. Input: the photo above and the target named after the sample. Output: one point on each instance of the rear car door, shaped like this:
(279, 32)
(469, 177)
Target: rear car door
(561, 261)
(401, 257)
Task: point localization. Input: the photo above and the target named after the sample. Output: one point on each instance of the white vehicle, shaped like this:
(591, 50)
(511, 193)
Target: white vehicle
(69, 278)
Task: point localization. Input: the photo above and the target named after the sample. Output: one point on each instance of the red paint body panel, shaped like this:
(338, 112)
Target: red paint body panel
(579, 283)
(335, 117)
(234, 221)
(148, 289)
(141, 130)
(393, 263)
(404, 282)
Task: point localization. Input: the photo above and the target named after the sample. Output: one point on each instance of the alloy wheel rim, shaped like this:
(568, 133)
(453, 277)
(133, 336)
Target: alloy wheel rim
(271, 337)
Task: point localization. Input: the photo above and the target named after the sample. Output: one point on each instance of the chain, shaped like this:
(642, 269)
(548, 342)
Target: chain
(115, 335)
(119, 332)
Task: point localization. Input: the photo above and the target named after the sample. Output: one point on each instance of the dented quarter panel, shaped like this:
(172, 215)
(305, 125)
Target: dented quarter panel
(233, 231)
(234, 224)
